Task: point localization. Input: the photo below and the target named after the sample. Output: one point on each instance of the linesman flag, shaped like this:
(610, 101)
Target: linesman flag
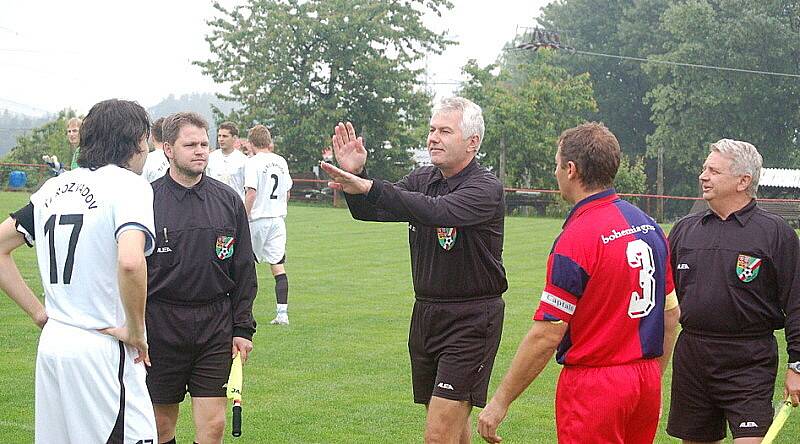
(235, 394)
(778, 422)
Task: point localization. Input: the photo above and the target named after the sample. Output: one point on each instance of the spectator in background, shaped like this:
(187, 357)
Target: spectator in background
(56, 167)
(327, 154)
(245, 147)
(74, 137)
(227, 163)
(157, 163)
(327, 157)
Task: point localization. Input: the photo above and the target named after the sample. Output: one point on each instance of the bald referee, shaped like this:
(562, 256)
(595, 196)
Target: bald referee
(92, 227)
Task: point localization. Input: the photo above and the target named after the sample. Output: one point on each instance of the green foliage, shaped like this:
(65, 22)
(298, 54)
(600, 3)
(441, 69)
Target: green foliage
(13, 125)
(631, 177)
(50, 139)
(692, 107)
(680, 109)
(302, 66)
(620, 27)
(527, 102)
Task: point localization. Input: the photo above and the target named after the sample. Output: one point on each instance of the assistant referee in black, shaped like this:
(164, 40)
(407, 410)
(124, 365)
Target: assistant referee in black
(201, 285)
(455, 214)
(737, 276)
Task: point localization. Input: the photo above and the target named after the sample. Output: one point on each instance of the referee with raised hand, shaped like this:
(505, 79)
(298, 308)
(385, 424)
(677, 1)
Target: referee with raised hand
(455, 213)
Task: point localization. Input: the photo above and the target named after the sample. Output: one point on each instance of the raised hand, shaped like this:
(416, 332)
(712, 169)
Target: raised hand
(349, 149)
(347, 182)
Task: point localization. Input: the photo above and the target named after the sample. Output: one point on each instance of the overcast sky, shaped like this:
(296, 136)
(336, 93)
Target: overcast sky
(59, 54)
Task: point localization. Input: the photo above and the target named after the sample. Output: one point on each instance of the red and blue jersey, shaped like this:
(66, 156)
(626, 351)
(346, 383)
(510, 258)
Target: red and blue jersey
(608, 275)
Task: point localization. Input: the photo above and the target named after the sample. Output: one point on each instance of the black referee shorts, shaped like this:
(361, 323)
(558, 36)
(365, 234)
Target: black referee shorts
(190, 350)
(719, 380)
(452, 347)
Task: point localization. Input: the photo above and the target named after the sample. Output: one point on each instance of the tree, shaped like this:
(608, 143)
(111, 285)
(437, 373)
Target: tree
(302, 66)
(676, 109)
(630, 176)
(616, 27)
(695, 107)
(13, 125)
(50, 139)
(526, 104)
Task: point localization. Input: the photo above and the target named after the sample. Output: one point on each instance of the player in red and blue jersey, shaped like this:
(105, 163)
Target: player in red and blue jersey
(608, 307)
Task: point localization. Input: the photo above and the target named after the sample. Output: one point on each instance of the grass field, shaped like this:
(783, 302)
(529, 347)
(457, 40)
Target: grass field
(340, 372)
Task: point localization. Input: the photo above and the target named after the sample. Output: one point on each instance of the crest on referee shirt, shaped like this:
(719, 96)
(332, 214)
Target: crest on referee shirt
(447, 237)
(224, 247)
(747, 267)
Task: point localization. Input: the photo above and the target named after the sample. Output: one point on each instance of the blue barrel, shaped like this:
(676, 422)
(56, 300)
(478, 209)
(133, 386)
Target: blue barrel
(17, 179)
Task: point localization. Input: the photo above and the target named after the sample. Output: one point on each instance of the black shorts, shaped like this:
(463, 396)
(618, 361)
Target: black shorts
(719, 380)
(190, 349)
(452, 347)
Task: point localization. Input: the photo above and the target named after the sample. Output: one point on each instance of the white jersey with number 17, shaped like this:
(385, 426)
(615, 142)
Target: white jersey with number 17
(78, 218)
(268, 174)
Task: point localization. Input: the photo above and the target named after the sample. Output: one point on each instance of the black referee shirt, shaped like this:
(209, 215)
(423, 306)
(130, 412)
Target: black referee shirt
(203, 250)
(738, 277)
(455, 229)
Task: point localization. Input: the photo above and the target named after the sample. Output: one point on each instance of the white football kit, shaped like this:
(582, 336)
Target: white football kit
(88, 388)
(228, 169)
(268, 174)
(155, 166)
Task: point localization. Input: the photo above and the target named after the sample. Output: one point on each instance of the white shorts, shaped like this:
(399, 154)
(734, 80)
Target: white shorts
(88, 390)
(268, 235)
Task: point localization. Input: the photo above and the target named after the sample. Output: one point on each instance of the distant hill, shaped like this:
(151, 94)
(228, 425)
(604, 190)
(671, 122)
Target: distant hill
(13, 125)
(197, 102)
(16, 122)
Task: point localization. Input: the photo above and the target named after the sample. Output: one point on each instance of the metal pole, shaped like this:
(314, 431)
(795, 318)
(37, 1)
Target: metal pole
(660, 184)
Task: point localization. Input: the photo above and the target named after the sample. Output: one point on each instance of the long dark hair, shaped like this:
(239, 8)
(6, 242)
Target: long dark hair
(111, 133)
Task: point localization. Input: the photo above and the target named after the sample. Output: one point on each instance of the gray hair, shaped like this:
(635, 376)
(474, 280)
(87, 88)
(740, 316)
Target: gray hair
(745, 160)
(471, 116)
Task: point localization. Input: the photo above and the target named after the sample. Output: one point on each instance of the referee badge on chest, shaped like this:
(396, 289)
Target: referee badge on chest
(747, 267)
(447, 237)
(224, 247)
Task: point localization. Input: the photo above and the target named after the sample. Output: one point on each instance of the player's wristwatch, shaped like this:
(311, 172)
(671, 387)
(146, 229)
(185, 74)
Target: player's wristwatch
(794, 366)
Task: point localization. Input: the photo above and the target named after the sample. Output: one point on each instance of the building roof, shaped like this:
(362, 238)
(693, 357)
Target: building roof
(780, 177)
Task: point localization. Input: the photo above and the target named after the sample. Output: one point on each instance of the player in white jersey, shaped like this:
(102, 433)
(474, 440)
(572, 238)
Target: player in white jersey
(268, 182)
(92, 228)
(226, 164)
(157, 163)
